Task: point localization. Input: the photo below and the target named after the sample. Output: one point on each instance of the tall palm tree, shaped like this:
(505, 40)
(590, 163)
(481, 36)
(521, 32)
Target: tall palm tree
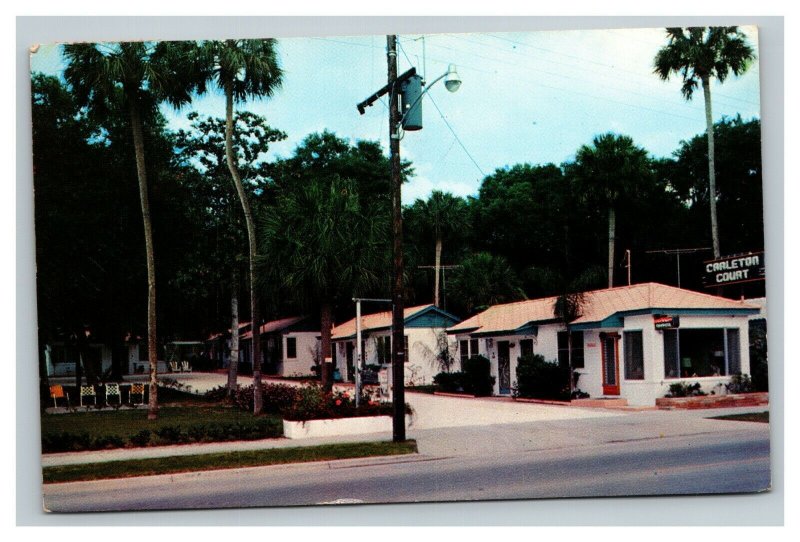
(133, 78)
(608, 169)
(698, 54)
(325, 243)
(444, 214)
(245, 69)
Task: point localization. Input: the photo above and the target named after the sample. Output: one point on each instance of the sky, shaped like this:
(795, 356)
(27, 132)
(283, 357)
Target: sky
(532, 97)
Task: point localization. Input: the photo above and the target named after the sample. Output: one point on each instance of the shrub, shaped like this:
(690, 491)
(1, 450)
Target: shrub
(450, 382)
(740, 384)
(478, 379)
(681, 389)
(758, 355)
(540, 379)
(142, 438)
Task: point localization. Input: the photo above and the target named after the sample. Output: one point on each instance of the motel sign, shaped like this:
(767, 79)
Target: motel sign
(733, 269)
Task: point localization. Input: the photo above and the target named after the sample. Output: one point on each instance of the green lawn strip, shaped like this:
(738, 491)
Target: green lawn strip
(226, 460)
(761, 417)
(124, 424)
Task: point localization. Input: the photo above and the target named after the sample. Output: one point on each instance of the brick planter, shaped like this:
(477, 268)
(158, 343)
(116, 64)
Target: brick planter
(713, 401)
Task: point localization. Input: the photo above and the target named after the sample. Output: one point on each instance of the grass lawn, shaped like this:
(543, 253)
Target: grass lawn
(175, 424)
(762, 417)
(228, 460)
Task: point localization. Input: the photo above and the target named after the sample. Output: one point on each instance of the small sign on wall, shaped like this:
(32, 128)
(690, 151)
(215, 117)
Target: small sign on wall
(663, 321)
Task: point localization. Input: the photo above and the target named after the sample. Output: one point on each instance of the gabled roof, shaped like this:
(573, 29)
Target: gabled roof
(383, 320)
(599, 305)
(275, 325)
(218, 335)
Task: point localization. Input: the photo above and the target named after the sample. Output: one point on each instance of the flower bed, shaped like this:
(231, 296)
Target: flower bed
(714, 401)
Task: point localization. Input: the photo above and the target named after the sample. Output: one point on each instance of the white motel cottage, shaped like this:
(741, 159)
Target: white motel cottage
(425, 337)
(629, 342)
(289, 346)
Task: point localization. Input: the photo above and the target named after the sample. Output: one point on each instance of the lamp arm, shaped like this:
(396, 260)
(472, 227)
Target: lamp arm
(423, 93)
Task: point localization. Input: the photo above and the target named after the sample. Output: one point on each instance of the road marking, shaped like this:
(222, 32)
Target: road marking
(343, 501)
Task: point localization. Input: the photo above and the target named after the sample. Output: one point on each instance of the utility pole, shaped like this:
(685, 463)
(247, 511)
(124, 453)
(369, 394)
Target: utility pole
(628, 264)
(398, 326)
(409, 85)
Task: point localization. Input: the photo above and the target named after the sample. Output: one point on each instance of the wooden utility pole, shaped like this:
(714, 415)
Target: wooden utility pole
(398, 327)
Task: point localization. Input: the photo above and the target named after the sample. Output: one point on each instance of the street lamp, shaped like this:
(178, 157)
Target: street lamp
(409, 87)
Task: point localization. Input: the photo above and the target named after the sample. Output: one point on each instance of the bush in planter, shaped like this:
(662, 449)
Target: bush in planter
(478, 379)
(681, 389)
(740, 384)
(540, 379)
(450, 382)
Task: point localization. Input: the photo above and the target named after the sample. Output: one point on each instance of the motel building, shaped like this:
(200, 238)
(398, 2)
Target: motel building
(630, 342)
(425, 337)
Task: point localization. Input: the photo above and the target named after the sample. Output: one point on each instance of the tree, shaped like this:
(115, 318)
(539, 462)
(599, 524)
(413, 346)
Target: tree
(443, 214)
(483, 280)
(698, 54)
(202, 148)
(611, 169)
(134, 77)
(325, 244)
(245, 69)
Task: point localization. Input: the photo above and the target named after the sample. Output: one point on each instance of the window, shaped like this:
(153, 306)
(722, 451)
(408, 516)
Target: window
(634, 355)
(473, 348)
(405, 348)
(526, 347)
(570, 346)
(463, 351)
(693, 353)
(291, 347)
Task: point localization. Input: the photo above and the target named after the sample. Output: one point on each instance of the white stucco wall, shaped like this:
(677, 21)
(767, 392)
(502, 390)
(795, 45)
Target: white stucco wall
(307, 344)
(423, 348)
(637, 392)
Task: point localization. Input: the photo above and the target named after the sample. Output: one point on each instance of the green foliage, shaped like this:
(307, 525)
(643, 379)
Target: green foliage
(478, 379)
(483, 280)
(740, 384)
(537, 378)
(682, 389)
(450, 382)
(759, 367)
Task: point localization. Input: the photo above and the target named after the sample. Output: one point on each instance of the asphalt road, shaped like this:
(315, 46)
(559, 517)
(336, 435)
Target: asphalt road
(726, 462)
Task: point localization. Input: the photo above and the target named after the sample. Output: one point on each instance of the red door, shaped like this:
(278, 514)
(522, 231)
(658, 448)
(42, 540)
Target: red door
(610, 354)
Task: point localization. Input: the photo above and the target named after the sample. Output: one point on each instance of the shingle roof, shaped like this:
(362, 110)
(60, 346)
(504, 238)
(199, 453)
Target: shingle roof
(218, 335)
(598, 305)
(378, 320)
(275, 325)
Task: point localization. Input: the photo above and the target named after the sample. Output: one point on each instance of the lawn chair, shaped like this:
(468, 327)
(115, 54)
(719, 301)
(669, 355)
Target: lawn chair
(185, 367)
(57, 392)
(111, 390)
(137, 389)
(173, 366)
(88, 391)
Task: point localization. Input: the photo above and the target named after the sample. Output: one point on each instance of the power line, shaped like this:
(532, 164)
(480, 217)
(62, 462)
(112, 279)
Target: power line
(456, 135)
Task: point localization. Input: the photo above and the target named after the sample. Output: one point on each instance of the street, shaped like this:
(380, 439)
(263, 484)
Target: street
(727, 461)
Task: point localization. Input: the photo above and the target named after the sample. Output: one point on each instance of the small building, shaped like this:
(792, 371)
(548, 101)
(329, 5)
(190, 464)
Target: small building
(426, 341)
(289, 346)
(629, 342)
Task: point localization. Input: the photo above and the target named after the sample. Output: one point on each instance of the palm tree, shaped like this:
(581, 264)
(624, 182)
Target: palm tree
(698, 54)
(134, 78)
(612, 167)
(324, 244)
(245, 69)
(444, 214)
(483, 280)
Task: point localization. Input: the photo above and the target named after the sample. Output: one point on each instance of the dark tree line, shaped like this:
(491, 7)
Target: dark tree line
(531, 229)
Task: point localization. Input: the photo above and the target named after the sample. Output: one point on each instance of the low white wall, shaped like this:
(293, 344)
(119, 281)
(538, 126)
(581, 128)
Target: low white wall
(339, 426)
